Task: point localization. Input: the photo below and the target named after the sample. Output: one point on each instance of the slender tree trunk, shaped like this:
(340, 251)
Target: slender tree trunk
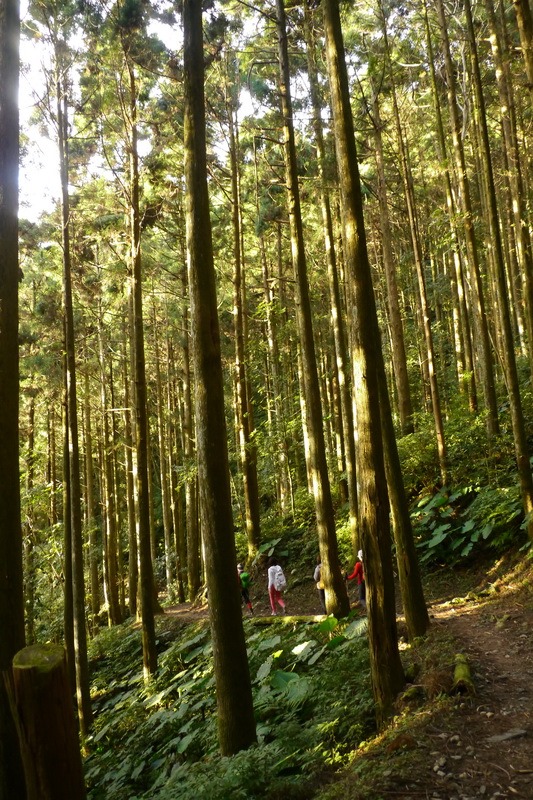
(484, 350)
(90, 517)
(146, 575)
(420, 271)
(236, 724)
(191, 485)
(29, 538)
(109, 498)
(68, 595)
(175, 457)
(511, 373)
(336, 595)
(51, 471)
(170, 553)
(133, 560)
(337, 319)
(12, 783)
(514, 169)
(399, 359)
(78, 578)
(524, 20)
(468, 376)
(247, 448)
(386, 668)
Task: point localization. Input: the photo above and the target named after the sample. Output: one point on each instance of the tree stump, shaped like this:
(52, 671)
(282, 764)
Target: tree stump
(44, 714)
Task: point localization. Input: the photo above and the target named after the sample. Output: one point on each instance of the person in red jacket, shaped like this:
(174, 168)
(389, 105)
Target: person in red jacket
(359, 574)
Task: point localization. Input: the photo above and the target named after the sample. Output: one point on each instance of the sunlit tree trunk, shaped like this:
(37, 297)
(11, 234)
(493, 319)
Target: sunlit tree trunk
(68, 592)
(29, 533)
(525, 27)
(175, 457)
(90, 515)
(337, 318)
(11, 586)
(146, 576)
(468, 376)
(414, 227)
(78, 578)
(247, 448)
(399, 359)
(508, 355)
(514, 169)
(109, 498)
(386, 668)
(277, 417)
(336, 595)
(482, 338)
(170, 554)
(129, 452)
(236, 724)
(191, 484)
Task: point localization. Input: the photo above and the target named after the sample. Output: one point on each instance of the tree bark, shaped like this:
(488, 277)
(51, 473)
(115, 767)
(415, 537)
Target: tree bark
(146, 575)
(337, 318)
(386, 668)
(336, 595)
(47, 727)
(11, 581)
(78, 578)
(484, 349)
(517, 416)
(420, 267)
(236, 724)
(246, 445)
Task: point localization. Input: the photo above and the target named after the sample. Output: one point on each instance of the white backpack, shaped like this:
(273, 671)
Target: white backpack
(279, 579)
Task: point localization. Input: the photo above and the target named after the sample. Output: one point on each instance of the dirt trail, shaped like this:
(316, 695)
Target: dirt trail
(490, 754)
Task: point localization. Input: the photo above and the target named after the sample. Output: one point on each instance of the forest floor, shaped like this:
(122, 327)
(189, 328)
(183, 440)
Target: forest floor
(449, 747)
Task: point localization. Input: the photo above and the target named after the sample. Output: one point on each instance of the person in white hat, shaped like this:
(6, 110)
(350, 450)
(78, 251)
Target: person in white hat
(359, 574)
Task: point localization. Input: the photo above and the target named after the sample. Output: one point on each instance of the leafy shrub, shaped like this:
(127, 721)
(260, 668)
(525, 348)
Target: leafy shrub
(450, 527)
(312, 700)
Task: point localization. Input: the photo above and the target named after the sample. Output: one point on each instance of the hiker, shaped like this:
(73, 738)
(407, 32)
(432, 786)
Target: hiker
(358, 573)
(245, 581)
(276, 585)
(317, 577)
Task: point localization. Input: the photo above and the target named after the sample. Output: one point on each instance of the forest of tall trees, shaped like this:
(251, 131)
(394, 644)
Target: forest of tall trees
(289, 266)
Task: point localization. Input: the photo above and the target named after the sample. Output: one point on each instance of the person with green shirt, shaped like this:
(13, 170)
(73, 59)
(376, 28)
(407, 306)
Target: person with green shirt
(245, 581)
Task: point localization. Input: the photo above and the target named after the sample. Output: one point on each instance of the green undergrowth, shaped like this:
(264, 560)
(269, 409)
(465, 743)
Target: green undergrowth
(312, 701)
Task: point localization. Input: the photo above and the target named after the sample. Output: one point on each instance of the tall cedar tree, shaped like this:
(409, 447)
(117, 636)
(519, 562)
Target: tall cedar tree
(386, 667)
(11, 593)
(236, 725)
(336, 595)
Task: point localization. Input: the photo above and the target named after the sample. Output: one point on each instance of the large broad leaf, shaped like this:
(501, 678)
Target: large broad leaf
(280, 680)
(328, 624)
(297, 691)
(337, 641)
(314, 658)
(487, 530)
(303, 650)
(356, 628)
(439, 535)
(185, 742)
(268, 644)
(264, 669)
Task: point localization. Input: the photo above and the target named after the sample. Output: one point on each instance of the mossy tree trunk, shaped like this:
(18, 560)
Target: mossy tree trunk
(42, 699)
